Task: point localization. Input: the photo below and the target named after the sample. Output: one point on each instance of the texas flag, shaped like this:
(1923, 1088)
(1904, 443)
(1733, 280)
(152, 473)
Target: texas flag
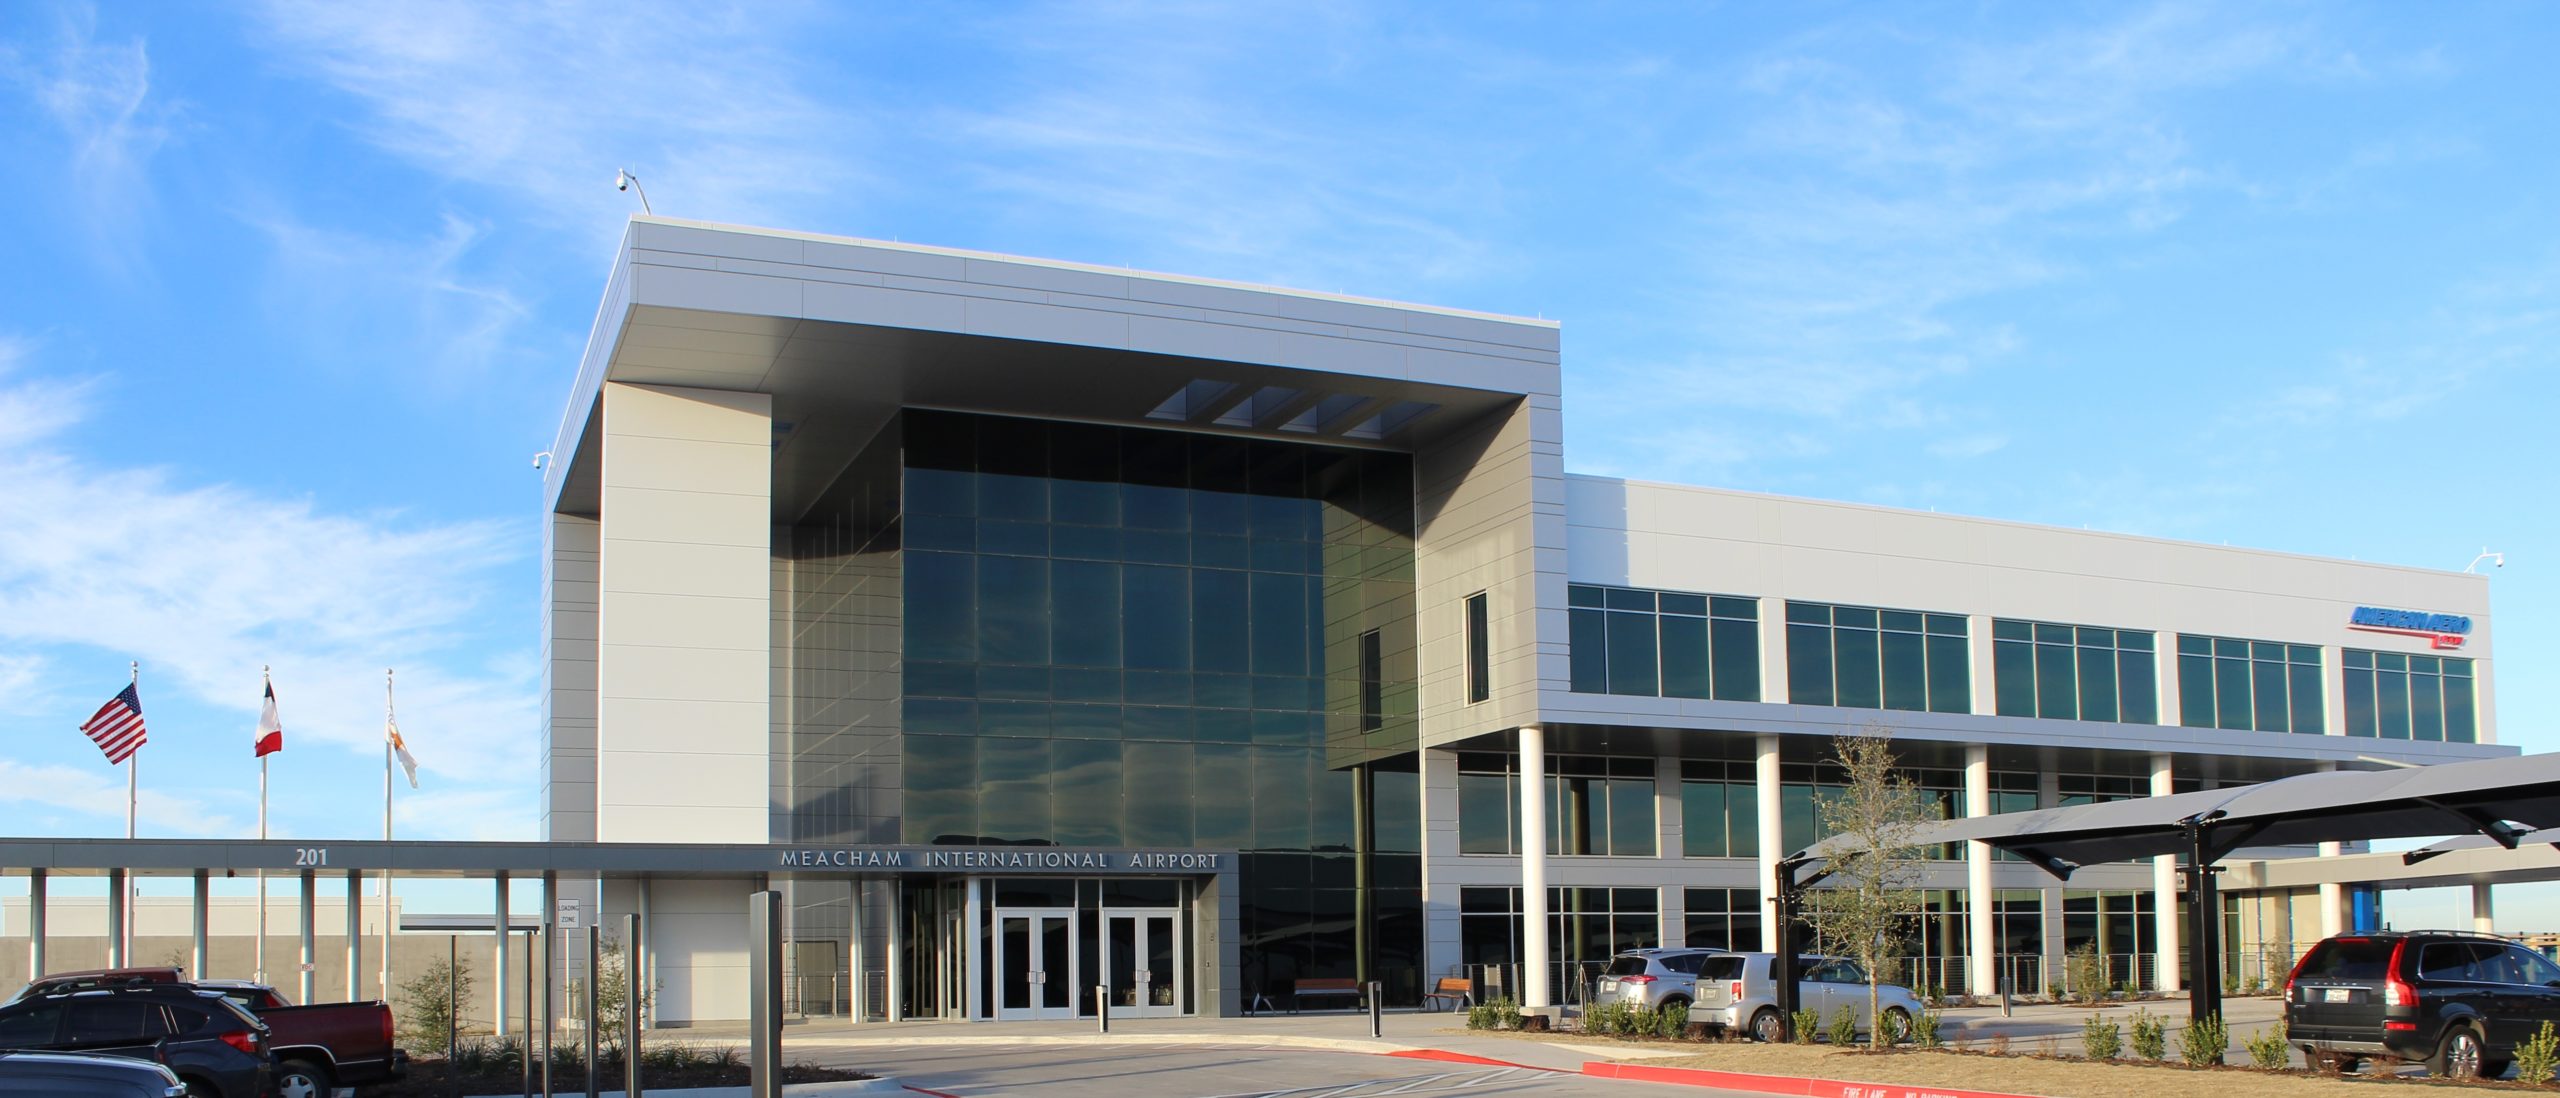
(270, 730)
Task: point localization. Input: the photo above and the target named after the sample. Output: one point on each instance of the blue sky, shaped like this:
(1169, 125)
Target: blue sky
(293, 291)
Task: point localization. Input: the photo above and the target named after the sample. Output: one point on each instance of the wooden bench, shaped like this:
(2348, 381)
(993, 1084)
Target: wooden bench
(1457, 991)
(1335, 986)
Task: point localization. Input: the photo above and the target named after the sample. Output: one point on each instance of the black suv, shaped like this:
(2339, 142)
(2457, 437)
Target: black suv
(2459, 1002)
(217, 1049)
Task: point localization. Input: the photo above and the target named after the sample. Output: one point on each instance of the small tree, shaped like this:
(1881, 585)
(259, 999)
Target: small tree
(614, 996)
(1866, 912)
(428, 1002)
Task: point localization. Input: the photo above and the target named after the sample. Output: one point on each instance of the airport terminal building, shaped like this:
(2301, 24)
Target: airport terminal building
(1070, 634)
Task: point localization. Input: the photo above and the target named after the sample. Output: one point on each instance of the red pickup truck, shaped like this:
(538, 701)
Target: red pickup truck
(317, 1048)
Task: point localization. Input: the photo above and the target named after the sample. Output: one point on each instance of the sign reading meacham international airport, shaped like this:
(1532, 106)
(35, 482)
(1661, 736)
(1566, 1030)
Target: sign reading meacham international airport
(1032, 860)
(2440, 630)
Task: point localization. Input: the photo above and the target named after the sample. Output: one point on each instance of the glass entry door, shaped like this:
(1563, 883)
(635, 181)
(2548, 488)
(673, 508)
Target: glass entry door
(1142, 961)
(1035, 963)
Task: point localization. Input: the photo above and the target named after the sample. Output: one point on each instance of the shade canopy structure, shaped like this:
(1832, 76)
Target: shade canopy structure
(2504, 800)
(2501, 799)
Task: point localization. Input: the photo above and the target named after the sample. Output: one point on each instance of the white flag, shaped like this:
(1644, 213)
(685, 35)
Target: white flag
(401, 749)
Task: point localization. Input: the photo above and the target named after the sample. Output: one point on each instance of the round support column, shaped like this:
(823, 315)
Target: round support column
(1534, 992)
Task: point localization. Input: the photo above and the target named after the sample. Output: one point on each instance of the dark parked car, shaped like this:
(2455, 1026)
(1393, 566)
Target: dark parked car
(321, 1047)
(213, 1046)
(2459, 1002)
(94, 1076)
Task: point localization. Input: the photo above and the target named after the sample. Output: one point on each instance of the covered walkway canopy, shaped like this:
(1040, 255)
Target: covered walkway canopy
(2502, 799)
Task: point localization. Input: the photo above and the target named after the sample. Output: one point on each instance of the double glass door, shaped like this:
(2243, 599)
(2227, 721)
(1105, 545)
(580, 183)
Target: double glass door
(1036, 963)
(1142, 959)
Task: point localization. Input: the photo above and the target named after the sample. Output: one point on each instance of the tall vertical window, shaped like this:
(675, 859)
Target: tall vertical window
(1595, 805)
(1479, 650)
(2225, 682)
(2395, 696)
(1719, 811)
(2074, 672)
(1859, 657)
(1667, 644)
(1721, 918)
(1373, 683)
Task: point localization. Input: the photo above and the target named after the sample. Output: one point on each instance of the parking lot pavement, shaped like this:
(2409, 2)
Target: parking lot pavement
(1130, 1070)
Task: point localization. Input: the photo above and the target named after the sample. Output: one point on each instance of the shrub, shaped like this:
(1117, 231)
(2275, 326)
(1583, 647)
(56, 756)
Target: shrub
(427, 1005)
(2538, 1056)
(1605, 1019)
(2101, 1039)
(2267, 1050)
(1671, 1020)
(2204, 1042)
(1480, 1016)
(1844, 1027)
(2150, 1036)
(1924, 1029)
(1999, 1044)
(1506, 1012)
(1808, 1025)
(2086, 972)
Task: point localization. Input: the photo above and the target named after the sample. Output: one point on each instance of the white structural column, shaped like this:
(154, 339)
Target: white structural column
(117, 893)
(1533, 867)
(2333, 895)
(974, 949)
(310, 956)
(1772, 825)
(2164, 885)
(857, 1005)
(500, 927)
(355, 937)
(1981, 962)
(35, 925)
(2484, 918)
(683, 674)
(200, 912)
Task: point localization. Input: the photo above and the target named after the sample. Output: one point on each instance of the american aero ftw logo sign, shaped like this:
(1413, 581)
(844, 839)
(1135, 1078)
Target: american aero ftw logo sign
(2440, 630)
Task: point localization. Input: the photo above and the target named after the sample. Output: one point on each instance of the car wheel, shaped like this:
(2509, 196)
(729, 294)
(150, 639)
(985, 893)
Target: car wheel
(302, 1079)
(2459, 1057)
(1897, 1025)
(1767, 1027)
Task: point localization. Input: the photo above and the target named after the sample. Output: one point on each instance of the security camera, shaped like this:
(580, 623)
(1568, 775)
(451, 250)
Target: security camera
(622, 180)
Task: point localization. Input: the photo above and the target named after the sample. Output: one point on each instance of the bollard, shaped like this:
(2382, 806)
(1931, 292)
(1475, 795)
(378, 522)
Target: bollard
(452, 996)
(595, 952)
(631, 1005)
(1374, 1019)
(1102, 1006)
(764, 993)
(528, 1013)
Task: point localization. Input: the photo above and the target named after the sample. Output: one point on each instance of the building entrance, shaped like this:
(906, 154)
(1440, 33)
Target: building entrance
(1035, 962)
(1143, 961)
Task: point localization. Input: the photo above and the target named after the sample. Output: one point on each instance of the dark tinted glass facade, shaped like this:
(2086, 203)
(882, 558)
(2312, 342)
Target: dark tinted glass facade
(2394, 696)
(1118, 636)
(2226, 682)
(1669, 644)
(1865, 658)
(2074, 672)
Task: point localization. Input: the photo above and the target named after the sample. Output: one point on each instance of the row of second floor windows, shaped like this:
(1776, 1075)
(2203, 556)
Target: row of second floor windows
(1672, 644)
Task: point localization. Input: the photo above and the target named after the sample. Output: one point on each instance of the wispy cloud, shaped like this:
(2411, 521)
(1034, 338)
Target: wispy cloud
(205, 582)
(545, 101)
(339, 290)
(98, 95)
(100, 793)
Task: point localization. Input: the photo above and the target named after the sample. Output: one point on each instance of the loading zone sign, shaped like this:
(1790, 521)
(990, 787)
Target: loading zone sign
(2439, 630)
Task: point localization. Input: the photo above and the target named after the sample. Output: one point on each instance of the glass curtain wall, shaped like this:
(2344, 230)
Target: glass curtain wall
(2394, 696)
(1128, 637)
(2226, 682)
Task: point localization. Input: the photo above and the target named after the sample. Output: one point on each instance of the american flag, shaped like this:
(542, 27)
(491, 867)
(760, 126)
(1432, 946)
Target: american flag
(117, 726)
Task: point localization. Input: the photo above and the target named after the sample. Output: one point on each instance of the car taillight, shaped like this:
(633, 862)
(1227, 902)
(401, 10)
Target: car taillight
(245, 1040)
(2296, 972)
(386, 1029)
(2396, 991)
(1635, 979)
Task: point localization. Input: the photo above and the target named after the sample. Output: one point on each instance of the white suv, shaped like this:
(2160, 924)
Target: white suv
(1653, 978)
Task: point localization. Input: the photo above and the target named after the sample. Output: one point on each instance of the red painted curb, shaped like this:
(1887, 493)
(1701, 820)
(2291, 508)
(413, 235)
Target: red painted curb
(1778, 1084)
(1458, 1058)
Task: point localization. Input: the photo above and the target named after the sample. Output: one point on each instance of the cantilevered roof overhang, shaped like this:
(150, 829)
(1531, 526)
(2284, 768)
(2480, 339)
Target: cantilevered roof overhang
(587, 861)
(2503, 799)
(844, 332)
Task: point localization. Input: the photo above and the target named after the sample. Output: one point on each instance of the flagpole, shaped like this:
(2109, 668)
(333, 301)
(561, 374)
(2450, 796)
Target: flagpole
(133, 763)
(387, 717)
(259, 964)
